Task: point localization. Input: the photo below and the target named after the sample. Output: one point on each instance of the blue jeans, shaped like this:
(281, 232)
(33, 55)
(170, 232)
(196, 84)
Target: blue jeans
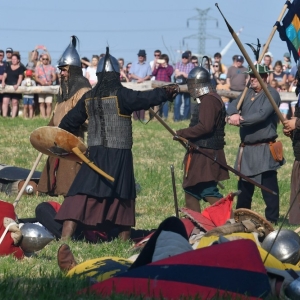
(164, 110)
(187, 107)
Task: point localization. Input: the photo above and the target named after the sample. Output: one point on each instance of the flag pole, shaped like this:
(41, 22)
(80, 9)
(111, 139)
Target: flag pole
(266, 46)
(252, 66)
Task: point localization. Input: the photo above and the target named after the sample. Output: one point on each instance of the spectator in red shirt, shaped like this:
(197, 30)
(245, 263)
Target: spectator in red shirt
(163, 72)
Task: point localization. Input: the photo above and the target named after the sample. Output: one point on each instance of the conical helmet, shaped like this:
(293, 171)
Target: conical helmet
(35, 237)
(70, 57)
(108, 63)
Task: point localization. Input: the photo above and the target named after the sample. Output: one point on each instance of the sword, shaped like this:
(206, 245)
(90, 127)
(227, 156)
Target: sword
(174, 191)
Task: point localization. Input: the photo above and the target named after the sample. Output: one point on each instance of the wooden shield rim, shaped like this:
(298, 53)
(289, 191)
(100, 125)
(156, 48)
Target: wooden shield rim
(45, 137)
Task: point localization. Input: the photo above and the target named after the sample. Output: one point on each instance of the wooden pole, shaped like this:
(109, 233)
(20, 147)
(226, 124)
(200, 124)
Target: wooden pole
(252, 66)
(267, 44)
(28, 179)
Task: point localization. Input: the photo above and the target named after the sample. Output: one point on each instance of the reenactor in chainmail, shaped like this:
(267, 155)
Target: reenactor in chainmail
(58, 174)
(93, 201)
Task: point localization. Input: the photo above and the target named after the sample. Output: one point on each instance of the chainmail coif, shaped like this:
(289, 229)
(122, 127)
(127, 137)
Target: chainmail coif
(75, 82)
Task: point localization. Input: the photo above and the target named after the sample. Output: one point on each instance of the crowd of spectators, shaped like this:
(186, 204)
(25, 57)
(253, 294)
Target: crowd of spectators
(40, 71)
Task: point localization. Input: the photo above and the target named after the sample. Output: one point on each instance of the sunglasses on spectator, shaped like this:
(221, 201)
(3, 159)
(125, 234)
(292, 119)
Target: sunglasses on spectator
(195, 62)
(216, 66)
(156, 54)
(45, 59)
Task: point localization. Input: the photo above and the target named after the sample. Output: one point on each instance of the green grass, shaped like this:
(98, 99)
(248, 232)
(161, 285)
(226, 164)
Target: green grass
(154, 151)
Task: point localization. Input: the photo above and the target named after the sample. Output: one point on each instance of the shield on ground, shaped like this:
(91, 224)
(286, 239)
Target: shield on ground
(54, 141)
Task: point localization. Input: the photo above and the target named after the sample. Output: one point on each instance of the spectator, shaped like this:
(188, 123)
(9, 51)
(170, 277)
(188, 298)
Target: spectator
(182, 69)
(140, 71)
(28, 99)
(127, 69)
(153, 63)
(222, 67)
(194, 61)
(286, 62)
(292, 89)
(123, 76)
(2, 69)
(13, 75)
(216, 73)
(91, 71)
(163, 72)
(278, 74)
(45, 75)
(284, 105)
(9, 52)
(32, 59)
(85, 63)
(236, 76)
(222, 85)
(274, 85)
(268, 62)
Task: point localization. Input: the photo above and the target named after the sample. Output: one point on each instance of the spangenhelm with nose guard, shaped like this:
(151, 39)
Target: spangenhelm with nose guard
(70, 57)
(199, 81)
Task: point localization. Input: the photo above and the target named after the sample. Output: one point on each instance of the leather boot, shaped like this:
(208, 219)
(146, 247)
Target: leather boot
(212, 200)
(192, 203)
(124, 233)
(68, 230)
(65, 258)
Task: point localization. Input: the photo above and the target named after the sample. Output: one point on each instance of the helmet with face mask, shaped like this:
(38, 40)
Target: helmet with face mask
(199, 81)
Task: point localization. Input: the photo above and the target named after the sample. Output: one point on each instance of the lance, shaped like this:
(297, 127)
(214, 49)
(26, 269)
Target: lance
(267, 44)
(188, 144)
(252, 66)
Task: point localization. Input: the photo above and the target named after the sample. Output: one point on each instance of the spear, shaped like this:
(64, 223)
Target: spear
(252, 66)
(188, 144)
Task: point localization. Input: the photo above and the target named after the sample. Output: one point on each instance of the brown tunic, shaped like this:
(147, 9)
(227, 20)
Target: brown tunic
(59, 174)
(294, 214)
(202, 168)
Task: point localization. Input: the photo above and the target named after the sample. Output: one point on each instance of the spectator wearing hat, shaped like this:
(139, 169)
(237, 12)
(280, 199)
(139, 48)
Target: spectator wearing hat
(182, 70)
(28, 101)
(236, 76)
(139, 72)
(222, 85)
(9, 52)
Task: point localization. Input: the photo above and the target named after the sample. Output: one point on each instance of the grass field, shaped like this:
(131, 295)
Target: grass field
(154, 151)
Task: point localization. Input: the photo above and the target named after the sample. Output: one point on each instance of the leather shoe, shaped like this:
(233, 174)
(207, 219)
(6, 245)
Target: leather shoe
(65, 258)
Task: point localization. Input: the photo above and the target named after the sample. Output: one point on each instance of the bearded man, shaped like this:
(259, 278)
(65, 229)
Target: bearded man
(58, 174)
(258, 123)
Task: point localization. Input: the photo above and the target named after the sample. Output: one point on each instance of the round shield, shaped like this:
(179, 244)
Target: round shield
(262, 226)
(54, 141)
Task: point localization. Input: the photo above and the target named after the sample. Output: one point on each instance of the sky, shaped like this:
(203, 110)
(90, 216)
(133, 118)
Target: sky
(128, 26)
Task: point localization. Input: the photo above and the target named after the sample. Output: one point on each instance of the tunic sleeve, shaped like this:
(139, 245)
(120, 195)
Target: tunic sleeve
(265, 110)
(209, 112)
(130, 100)
(75, 117)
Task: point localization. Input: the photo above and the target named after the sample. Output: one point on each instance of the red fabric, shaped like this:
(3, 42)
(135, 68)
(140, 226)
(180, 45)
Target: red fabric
(55, 205)
(233, 259)
(7, 246)
(220, 211)
(188, 224)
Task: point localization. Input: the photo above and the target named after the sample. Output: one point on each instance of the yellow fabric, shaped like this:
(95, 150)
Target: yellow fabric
(100, 268)
(271, 262)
